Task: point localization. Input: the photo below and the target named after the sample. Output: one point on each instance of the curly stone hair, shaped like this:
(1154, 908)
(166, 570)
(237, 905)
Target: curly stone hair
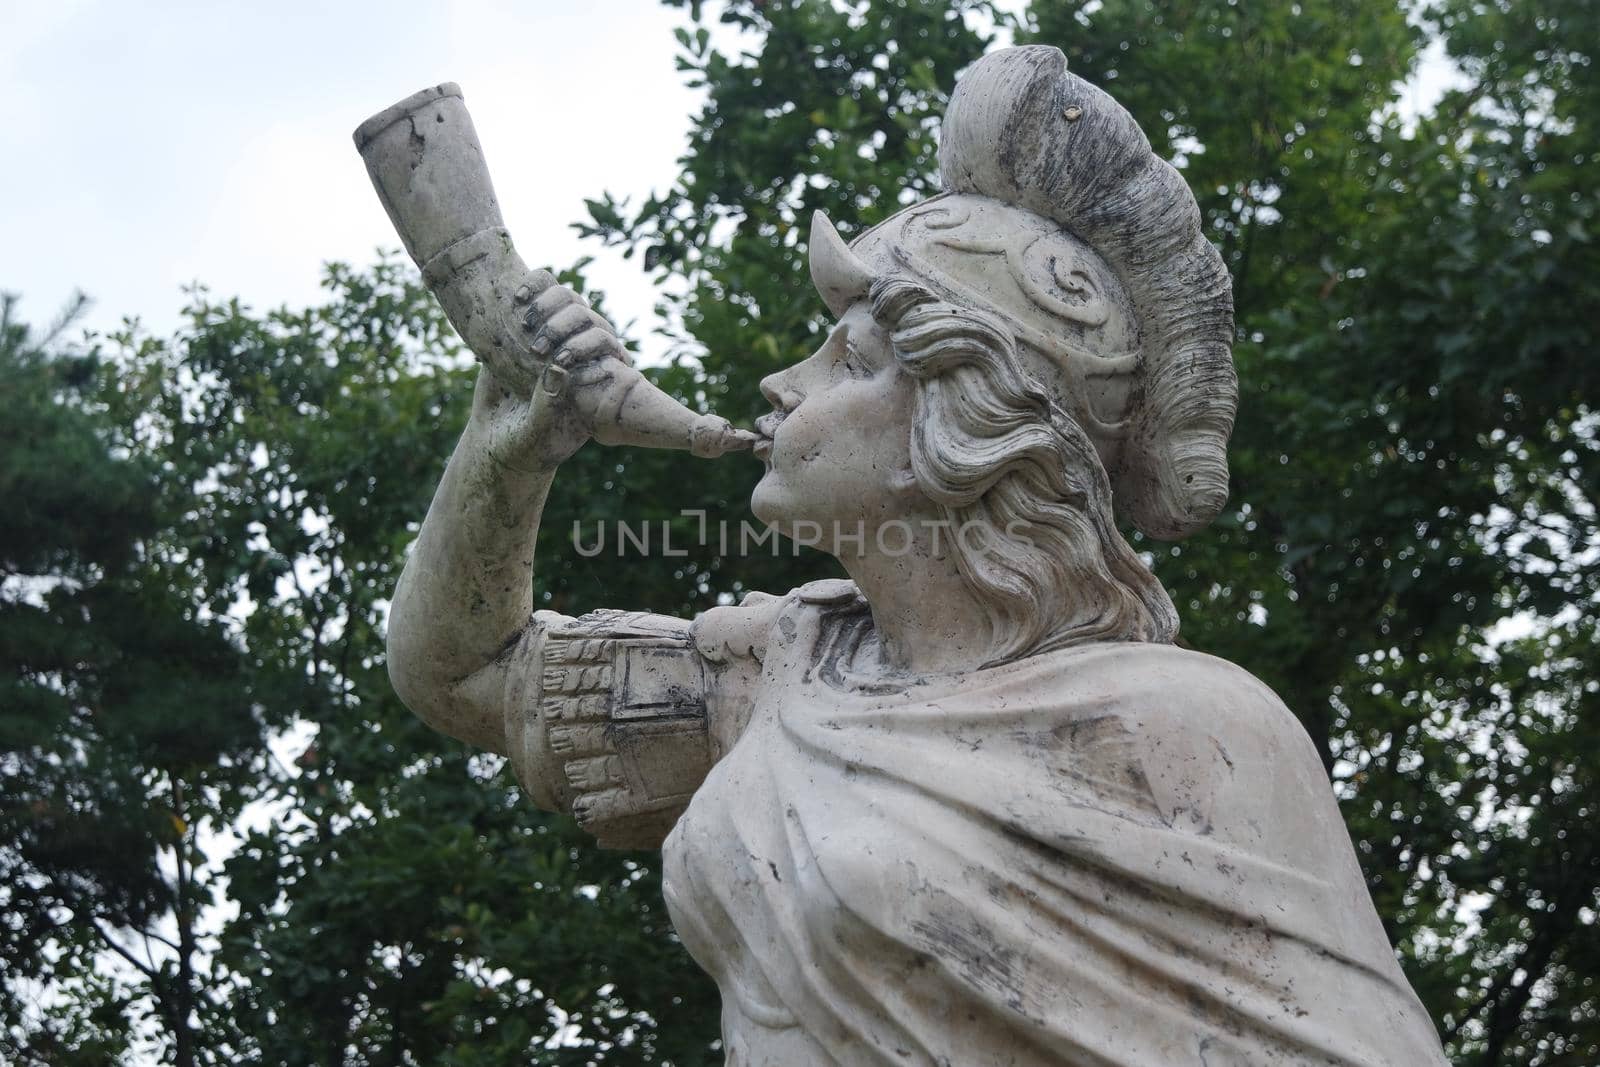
(1021, 479)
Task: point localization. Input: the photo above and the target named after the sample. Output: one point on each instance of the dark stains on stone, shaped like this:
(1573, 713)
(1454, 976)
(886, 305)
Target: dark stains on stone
(416, 143)
(975, 953)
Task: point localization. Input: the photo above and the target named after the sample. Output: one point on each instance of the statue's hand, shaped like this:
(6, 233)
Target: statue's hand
(533, 416)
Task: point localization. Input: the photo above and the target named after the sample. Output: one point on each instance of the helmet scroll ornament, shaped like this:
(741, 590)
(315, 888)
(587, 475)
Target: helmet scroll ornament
(1106, 275)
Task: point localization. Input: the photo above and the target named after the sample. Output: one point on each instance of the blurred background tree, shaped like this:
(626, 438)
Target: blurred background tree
(125, 722)
(226, 841)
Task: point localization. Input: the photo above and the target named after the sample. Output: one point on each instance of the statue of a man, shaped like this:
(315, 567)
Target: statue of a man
(971, 806)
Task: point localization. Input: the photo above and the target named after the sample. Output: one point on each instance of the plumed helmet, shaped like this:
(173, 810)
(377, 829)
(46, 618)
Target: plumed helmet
(1060, 221)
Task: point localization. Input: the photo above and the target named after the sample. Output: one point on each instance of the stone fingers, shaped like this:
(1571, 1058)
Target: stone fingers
(555, 329)
(569, 340)
(535, 284)
(590, 345)
(566, 323)
(557, 298)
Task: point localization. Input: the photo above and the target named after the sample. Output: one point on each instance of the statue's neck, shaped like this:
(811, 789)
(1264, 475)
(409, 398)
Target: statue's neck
(927, 619)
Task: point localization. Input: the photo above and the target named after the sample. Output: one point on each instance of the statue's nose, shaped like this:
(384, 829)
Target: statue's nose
(780, 392)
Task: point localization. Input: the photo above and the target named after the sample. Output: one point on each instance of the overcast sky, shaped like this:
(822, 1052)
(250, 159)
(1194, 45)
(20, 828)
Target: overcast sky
(147, 146)
(150, 145)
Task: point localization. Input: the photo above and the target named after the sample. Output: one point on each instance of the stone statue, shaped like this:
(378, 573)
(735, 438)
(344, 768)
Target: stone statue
(971, 806)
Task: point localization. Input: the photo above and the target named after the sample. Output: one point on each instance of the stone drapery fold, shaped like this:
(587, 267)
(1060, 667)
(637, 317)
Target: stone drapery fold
(1114, 854)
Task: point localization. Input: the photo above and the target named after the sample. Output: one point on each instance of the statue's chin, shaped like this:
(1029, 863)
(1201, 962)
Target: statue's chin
(766, 502)
(775, 510)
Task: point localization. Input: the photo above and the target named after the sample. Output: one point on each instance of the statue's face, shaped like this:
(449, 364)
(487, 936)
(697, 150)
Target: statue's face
(838, 448)
(1075, 329)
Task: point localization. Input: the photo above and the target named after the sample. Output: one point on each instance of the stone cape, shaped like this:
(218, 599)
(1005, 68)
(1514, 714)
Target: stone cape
(1113, 854)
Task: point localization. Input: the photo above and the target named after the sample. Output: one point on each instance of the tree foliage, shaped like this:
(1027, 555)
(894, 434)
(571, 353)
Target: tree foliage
(227, 842)
(107, 784)
(397, 903)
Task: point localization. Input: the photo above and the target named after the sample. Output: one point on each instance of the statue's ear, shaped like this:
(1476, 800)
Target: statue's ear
(904, 480)
(840, 277)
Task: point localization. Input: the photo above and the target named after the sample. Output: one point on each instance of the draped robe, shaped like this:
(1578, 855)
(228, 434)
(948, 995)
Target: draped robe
(1112, 854)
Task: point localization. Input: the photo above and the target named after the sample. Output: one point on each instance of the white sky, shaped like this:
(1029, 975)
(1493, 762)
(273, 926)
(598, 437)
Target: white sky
(150, 145)
(147, 146)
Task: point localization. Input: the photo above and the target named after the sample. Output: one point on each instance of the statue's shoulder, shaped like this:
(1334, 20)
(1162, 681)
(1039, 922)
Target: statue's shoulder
(1229, 696)
(1186, 684)
(1180, 701)
(1215, 740)
(733, 642)
(744, 631)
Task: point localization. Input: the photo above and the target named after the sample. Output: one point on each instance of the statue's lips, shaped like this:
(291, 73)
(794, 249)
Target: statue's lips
(766, 430)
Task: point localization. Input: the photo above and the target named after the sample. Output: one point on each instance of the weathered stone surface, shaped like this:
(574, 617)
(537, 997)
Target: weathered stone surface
(971, 806)
(425, 161)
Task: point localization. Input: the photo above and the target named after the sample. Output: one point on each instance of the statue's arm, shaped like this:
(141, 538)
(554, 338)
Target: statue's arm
(615, 716)
(465, 598)
(605, 716)
(618, 716)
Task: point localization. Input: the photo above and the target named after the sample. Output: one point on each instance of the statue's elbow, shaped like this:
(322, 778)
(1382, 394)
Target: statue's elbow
(467, 709)
(418, 689)
(403, 679)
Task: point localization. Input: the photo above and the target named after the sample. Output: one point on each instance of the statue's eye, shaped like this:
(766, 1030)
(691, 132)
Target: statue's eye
(854, 362)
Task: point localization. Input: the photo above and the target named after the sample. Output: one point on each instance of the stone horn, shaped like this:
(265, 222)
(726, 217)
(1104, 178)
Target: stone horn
(427, 166)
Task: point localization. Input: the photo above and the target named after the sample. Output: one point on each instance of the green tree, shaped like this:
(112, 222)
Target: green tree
(125, 722)
(397, 902)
